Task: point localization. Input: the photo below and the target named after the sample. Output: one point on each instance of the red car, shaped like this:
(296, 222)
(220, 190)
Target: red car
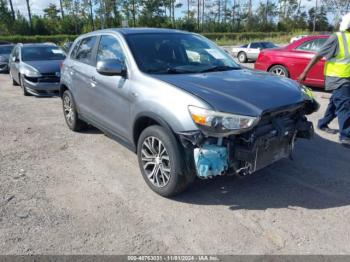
(291, 60)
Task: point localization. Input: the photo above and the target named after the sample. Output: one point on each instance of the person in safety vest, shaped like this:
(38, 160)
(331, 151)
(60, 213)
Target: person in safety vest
(336, 50)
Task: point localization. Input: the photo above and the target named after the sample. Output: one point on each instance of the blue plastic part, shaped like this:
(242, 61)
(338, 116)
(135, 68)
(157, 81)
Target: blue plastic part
(210, 160)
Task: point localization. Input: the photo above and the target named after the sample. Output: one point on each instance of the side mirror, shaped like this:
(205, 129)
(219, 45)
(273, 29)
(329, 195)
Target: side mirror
(15, 59)
(111, 67)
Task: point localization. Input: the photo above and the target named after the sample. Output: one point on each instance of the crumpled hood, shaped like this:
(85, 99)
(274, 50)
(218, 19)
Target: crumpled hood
(244, 92)
(47, 66)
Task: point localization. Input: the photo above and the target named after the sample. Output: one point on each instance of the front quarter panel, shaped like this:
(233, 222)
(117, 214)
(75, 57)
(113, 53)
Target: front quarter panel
(66, 73)
(152, 97)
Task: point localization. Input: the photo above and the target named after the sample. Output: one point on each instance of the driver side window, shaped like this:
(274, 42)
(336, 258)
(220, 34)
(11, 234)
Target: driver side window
(109, 48)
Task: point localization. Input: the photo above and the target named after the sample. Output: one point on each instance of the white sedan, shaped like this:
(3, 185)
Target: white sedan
(295, 38)
(250, 51)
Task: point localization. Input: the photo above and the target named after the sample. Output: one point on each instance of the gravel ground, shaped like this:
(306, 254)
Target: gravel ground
(82, 193)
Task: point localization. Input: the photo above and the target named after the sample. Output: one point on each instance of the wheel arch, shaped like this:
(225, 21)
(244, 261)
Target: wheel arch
(145, 120)
(240, 52)
(63, 88)
(277, 64)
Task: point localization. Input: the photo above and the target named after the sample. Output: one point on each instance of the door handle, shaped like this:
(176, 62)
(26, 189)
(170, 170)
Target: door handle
(93, 82)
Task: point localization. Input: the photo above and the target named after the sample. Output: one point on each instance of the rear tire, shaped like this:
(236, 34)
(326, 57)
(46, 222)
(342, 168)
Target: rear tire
(279, 70)
(161, 162)
(70, 112)
(242, 57)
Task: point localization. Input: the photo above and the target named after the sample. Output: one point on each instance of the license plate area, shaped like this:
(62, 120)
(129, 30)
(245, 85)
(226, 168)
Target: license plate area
(263, 153)
(269, 152)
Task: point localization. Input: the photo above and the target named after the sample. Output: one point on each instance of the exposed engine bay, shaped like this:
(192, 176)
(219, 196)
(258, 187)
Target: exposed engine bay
(272, 139)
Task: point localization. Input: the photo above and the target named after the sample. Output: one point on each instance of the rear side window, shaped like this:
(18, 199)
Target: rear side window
(85, 50)
(255, 45)
(109, 48)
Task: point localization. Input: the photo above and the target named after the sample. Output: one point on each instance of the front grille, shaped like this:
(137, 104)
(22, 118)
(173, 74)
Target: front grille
(49, 79)
(45, 78)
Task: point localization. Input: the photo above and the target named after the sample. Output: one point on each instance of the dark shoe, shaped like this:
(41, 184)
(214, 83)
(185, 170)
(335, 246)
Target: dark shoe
(328, 130)
(345, 142)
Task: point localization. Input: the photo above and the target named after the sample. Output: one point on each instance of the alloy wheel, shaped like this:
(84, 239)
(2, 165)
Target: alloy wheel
(155, 161)
(279, 71)
(68, 109)
(241, 58)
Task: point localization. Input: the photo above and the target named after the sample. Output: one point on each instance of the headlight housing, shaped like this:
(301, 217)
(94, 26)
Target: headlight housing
(30, 71)
(307, 92)
(220, 124)
(311, 105)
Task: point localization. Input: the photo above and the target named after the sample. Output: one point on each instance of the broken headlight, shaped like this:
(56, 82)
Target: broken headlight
(307, 92)
(218, 123)
(311, 104)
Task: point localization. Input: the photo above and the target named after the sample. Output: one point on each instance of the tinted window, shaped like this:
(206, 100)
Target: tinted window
(5, 49)
(268, 45)
(109, 48)
(84, 52)
(41, 53)
(177, 53)
(255, 45)
(312, 45)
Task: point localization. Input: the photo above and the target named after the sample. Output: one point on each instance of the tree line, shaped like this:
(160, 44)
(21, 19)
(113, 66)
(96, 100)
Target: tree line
(80, 16)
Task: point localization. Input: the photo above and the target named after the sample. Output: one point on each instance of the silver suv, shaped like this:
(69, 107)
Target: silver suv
(182, 104)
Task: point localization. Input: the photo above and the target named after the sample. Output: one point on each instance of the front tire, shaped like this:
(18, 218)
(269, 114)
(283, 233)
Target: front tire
(14, 83)
(242, 57)
(161, 163)
(70, 112)
(24, 89)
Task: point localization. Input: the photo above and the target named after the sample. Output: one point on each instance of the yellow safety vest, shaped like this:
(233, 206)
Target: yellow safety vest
(339, 66)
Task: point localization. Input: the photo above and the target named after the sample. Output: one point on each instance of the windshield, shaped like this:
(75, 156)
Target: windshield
(268, 45)
(5, 50)
(40, 53)
(178, 53)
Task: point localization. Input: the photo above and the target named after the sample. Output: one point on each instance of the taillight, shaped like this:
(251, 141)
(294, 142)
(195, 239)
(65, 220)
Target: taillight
(261, 54)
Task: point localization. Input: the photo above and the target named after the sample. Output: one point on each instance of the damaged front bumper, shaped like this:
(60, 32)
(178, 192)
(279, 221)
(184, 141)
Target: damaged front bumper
(271, 140)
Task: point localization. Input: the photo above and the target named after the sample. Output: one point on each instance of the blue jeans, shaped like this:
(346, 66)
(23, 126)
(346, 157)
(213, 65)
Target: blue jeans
(339, 105)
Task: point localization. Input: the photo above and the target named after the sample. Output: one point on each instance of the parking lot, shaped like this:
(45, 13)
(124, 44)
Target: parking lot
(82, 193)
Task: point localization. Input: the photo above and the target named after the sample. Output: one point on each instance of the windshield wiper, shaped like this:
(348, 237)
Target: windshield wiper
(220, 68)
(174, 70)
(169, 70)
